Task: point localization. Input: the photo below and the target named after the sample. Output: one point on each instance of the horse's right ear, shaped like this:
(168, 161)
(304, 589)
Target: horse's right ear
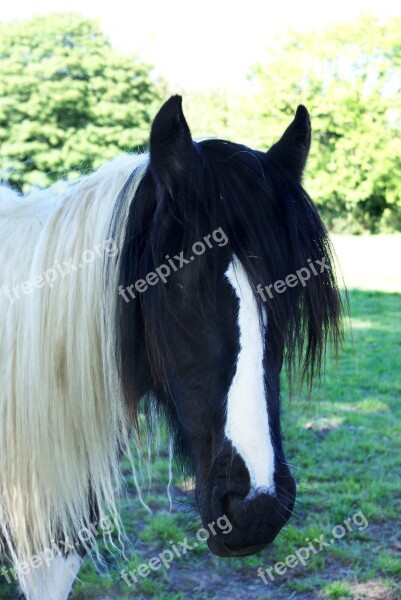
(293, 148)
(171, 147)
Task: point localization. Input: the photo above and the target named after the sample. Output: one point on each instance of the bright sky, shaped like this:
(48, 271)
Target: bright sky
(208, 43)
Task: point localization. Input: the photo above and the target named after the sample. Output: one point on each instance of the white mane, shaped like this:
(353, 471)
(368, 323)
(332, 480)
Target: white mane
(63, 423)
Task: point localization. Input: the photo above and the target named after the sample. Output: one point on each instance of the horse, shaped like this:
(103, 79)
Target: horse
(172, 284)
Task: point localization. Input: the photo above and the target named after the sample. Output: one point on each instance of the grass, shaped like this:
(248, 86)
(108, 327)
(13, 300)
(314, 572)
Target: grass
(345, 448)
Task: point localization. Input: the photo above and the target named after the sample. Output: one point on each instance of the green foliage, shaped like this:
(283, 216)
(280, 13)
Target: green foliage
(349, 77)
(338, 590)
(68, 101)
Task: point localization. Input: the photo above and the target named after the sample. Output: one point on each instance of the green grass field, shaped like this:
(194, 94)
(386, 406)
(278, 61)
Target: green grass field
(345, 449)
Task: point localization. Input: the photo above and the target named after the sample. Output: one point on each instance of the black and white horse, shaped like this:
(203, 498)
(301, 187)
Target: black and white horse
(179, 281)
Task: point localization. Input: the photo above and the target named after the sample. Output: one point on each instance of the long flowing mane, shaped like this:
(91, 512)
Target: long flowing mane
(63, 422)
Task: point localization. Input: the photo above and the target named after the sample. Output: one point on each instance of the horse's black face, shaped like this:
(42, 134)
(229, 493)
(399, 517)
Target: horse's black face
(224, 400)
(202, 340)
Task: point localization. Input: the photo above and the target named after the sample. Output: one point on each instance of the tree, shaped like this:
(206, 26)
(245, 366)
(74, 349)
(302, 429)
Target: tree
(349, 77)
(68, 100)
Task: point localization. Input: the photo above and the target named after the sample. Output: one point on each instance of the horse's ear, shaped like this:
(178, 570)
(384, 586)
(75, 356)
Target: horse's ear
(171, 147)
(293, 148)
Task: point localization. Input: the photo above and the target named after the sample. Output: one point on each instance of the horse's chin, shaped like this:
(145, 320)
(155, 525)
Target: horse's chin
(226, 551)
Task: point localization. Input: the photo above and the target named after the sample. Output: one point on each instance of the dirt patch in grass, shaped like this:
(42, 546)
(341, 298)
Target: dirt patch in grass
(207, 582)
(374, 590)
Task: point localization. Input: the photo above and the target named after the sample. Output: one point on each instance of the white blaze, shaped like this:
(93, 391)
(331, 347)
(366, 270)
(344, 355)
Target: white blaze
(247, 425)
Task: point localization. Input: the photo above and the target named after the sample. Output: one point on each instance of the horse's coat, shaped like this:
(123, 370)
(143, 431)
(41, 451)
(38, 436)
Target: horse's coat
(54, 582)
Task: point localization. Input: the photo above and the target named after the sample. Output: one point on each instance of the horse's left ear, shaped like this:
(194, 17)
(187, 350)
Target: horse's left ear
(171, 147)
(293, 148)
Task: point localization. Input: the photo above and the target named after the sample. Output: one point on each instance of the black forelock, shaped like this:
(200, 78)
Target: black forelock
(274, 228)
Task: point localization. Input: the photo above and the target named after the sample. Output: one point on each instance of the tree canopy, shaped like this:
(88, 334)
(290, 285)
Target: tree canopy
(349, 77)
(68, 100)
